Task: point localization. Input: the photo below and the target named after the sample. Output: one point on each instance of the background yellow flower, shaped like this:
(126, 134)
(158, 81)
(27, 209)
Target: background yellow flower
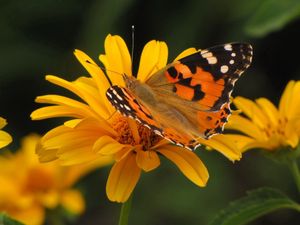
(5, 138)
(29, 188)
(263, 125)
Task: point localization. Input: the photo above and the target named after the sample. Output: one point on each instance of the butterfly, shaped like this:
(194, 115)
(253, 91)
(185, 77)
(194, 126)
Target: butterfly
(189, 98)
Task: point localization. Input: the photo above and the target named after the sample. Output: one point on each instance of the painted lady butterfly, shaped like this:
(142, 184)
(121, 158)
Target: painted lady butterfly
(189, 98)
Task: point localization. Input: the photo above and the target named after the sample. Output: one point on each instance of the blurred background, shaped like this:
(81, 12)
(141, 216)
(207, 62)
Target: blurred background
(37, 37)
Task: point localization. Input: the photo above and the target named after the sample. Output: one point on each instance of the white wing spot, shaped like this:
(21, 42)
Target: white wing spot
(108, 94)
(157, 132)
(231, 61)
(233, 54)
(122, 106)
(212, 60)
(224, 69)
(228, 47)
(119, 97)
(128, 108)
(207, 54)
(115, 101)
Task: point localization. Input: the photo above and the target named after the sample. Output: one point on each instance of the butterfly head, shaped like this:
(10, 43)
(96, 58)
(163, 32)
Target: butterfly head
(130, 81)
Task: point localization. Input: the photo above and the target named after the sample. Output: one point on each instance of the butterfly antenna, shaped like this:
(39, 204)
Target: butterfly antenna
(132, 42)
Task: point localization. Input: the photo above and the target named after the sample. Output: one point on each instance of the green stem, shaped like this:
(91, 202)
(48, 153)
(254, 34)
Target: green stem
(125, 211)
(296, 173)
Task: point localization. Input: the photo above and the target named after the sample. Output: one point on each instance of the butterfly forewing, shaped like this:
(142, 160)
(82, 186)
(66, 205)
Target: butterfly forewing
(207, 76)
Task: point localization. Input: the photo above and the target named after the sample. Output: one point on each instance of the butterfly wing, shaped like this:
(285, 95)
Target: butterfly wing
(194, 93)
(206, 77)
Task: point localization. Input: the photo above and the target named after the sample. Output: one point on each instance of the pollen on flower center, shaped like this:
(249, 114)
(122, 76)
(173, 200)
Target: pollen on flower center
(276, 130)
(147, 138)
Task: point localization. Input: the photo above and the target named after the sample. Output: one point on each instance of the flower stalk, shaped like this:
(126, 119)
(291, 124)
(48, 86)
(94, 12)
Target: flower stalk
(125, 211)
(293, 165)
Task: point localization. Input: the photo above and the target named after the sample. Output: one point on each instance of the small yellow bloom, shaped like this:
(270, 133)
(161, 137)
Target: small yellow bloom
(97, 131)
(265, 126)
(28, 188)
(5, 138)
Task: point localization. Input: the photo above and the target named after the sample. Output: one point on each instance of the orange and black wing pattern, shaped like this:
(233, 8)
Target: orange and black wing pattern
(208, 76)
(128, 106)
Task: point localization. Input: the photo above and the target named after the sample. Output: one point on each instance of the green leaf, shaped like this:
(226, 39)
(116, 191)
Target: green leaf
(5, 220)
(256, 204)
(272, 15)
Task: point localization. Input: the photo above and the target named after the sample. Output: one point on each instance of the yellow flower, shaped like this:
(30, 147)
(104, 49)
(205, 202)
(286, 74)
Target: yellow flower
(97, 130)
(5, 138)
(265, 126)
(28, 187)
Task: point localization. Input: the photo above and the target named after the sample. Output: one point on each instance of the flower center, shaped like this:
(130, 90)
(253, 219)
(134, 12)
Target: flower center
(271, 130)
(134, 133)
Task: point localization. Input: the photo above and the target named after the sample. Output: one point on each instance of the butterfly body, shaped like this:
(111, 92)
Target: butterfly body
(189, 98)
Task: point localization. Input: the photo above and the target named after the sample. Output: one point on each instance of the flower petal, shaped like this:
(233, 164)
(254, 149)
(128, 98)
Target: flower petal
(185, 53)
(225, 145)
(294, 106)
(188, 163)
(2, 122)
(237, 122)
(117, 59)
(147, 160)
(122, 179)
(291, 135)
(284, 103)
(106, 145)
(5, 139)
(73, 201)
(269, 109)
(94, 70)
(153, 58)
(250, 109)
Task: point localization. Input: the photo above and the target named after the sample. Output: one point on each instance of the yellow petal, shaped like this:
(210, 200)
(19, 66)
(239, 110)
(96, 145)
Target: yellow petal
(88, 93)
(120, 155)
(106, 145)
(153, 58)
(2, 122)
(235, 142)
(188, 163)
(284, 103)
(147, 160)
(72, 156)
(291, 135)
(94, 70)
(33, 215)
(185, 53)
(293, 110)
(50, 199)
(74, 173)
(117, 59)
(5, 139)
(225, 145)
(122, 179)
(73, 201)
(244, 125)
(250, 109)
(269, 109)
(58, 111)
